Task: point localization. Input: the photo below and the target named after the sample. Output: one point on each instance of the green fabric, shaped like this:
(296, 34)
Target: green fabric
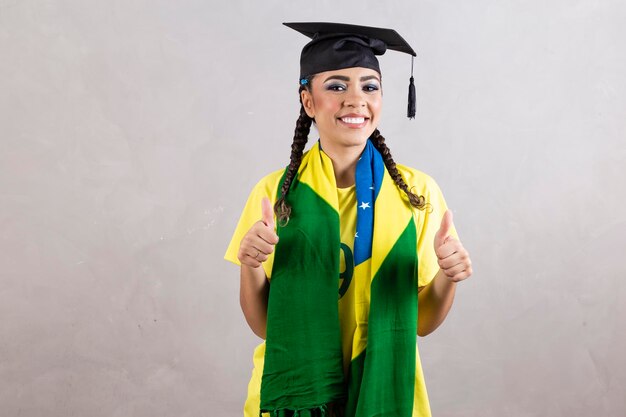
(303, 368)
(382, 376)
(303, 360)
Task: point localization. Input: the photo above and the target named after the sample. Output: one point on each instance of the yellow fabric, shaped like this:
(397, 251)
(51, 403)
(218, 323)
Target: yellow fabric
(353, 315)
(347, 227)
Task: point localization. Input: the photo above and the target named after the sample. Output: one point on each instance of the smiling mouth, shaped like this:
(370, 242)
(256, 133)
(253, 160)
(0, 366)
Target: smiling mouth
(354, 121)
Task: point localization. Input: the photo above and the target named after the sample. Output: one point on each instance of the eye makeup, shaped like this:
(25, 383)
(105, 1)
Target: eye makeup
(335, 87)
(371, 87)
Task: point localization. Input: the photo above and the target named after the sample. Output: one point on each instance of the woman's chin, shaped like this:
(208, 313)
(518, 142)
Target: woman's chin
(352, 137)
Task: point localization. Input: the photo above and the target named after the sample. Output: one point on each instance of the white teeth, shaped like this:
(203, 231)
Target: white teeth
(353, 120)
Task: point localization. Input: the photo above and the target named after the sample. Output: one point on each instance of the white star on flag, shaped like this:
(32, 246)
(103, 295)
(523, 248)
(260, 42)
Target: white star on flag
(364, 205)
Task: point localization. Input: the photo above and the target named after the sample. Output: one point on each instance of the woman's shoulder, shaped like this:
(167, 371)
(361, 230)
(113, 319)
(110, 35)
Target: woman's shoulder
(417, 179)
(273, 177)
(268, 184)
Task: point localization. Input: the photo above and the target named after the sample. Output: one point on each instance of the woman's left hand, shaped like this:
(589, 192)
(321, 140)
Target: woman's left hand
(453, 259)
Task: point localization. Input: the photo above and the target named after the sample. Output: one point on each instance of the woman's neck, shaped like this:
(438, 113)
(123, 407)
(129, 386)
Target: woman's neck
(344, 162)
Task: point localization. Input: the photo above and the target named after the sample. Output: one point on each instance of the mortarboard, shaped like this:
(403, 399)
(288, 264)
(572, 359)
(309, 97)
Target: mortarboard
(336, 46)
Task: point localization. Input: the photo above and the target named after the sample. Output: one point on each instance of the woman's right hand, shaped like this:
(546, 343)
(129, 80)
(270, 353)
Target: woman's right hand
(259, 242)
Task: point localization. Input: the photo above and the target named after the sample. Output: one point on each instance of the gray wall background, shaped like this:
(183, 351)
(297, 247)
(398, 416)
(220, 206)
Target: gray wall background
(132, 131)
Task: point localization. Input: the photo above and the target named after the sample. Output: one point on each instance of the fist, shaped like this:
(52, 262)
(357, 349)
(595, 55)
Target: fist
(452, 257)
(258, 243)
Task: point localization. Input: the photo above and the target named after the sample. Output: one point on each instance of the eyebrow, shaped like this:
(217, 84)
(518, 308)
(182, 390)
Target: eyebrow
(344, 78)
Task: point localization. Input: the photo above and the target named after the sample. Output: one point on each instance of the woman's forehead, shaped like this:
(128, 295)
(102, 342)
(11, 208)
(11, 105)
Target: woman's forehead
(355, 73)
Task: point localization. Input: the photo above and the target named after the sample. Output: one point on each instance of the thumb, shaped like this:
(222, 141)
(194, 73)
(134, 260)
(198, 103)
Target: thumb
(268, 213)
(444, 229)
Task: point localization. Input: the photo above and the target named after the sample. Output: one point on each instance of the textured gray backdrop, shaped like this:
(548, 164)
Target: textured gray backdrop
(132, 131)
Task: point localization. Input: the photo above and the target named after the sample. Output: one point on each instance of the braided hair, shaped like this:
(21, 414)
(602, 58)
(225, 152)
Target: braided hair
(417, 201)
(300, 138)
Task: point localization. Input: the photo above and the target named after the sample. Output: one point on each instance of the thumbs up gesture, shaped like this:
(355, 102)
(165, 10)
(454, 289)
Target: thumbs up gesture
(453, 259)
(258, 243)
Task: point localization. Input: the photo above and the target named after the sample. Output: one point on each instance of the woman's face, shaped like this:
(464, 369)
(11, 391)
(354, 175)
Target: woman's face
(346, 105)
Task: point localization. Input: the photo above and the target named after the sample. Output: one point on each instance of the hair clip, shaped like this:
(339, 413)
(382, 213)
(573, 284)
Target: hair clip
(304, 81)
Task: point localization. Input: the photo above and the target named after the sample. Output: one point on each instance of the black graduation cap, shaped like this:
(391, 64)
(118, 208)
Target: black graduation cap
(336, 46)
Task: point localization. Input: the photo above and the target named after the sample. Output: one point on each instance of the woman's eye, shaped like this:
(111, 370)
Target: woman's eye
(336, 87)
(370, 87)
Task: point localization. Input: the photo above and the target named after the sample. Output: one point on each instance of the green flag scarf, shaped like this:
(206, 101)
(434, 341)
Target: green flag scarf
(303, 371)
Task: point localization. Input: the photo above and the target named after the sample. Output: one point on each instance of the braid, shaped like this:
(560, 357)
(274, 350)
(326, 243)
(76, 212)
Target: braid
(417, 201)
(300, 138)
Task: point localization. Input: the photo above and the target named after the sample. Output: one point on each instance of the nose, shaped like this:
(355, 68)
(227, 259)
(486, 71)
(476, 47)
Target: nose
(355, 97)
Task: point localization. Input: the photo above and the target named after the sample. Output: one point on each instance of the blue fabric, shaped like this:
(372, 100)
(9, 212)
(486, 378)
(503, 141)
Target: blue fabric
(369, 176)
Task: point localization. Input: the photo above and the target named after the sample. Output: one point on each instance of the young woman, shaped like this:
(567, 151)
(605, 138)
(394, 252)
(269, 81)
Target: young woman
(345, 255)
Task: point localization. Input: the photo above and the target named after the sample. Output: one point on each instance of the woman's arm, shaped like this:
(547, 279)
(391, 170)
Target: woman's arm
(434, 303)
(435, 299)
(254, 249)
(253, 292)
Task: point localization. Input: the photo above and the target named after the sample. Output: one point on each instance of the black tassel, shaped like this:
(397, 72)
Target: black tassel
(410, 113)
